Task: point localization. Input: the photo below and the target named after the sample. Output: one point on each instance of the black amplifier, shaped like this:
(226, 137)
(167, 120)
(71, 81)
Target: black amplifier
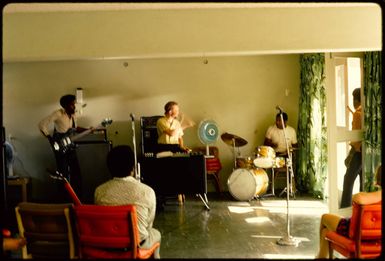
(180, 173)
(149, 134)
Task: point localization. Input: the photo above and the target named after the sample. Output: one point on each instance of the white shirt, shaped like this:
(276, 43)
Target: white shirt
(128, 190)
(276, 135)
(61, 120)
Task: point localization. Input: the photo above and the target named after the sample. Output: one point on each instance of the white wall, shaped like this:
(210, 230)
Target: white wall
(239, 93)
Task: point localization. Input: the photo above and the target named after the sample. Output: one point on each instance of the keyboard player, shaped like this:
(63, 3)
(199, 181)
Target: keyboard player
(170, 130)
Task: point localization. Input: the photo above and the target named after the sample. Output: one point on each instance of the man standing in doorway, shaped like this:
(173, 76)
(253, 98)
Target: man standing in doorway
(354, 160)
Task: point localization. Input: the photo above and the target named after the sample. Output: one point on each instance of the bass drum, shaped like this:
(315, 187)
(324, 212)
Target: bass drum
(245, 184)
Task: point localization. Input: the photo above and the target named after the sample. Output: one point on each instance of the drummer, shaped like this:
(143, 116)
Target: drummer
(275, 136)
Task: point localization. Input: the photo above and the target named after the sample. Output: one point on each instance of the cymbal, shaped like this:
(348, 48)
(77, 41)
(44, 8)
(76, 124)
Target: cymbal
(233, 140)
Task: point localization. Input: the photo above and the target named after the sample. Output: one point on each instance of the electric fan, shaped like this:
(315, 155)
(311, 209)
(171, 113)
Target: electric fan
(9, 158)
(208, 133)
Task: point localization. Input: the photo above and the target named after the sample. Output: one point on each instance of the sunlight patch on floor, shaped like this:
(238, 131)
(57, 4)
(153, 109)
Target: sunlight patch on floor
(279, 256)
(241, 210)
(296, 207)
(258, 220)
(293, 203)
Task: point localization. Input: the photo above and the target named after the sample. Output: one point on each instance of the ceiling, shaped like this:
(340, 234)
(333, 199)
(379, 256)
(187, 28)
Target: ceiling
(71, 7)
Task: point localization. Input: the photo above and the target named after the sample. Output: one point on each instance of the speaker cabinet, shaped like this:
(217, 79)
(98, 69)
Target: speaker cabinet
(92, 158)
(149, 134)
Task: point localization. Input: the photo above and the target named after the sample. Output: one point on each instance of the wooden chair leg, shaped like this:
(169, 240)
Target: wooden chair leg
(330, 251)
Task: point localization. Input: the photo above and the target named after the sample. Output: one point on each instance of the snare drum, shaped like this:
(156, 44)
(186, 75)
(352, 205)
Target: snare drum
(245, 184)
(244, 162)
(265, 157)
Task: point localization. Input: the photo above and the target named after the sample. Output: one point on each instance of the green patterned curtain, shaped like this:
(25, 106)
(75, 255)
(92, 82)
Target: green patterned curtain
(311, 162)
(372, 116)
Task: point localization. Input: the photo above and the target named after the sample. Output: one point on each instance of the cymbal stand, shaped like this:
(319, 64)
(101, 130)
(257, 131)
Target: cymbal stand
(235, 157)
(287, 240)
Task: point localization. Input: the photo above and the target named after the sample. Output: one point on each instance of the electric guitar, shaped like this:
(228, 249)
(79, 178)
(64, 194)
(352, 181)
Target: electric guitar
(66, 141)
(67, 185)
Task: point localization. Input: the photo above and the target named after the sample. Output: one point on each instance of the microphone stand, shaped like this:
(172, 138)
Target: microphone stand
(235, 157)
(287, 240)
(136, 164)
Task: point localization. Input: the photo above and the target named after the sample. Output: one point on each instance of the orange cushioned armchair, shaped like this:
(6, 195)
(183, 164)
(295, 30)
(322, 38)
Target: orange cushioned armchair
(365, 237)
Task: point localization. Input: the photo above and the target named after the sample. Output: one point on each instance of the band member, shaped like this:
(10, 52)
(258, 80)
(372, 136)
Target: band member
(275, 136)
(170, 130)
(170, 135)
(64, 121)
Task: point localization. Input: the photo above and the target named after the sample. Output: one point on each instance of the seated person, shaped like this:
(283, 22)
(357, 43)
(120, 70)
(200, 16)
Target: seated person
(170, 130)
(124, 189)
(275, 136)
(334, 222)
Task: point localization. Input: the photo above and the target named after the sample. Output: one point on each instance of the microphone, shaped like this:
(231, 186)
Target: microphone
(279, 108)
(132, 116)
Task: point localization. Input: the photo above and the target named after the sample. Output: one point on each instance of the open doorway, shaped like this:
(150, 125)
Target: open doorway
(345, 73)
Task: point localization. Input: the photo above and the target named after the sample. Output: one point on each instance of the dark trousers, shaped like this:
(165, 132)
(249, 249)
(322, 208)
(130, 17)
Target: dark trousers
(68, 164)
(353, 170)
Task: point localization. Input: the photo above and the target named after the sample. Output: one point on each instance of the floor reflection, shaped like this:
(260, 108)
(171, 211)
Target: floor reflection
(234, 229)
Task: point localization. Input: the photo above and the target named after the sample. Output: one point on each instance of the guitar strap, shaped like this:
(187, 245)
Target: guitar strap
(58, 135)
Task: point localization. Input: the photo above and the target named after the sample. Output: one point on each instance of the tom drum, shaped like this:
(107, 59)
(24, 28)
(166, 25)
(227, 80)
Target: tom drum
(245, 184)
(244, 162)
(265, 157)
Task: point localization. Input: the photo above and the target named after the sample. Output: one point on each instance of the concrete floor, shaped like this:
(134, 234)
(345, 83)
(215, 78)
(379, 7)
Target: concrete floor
(239, 229)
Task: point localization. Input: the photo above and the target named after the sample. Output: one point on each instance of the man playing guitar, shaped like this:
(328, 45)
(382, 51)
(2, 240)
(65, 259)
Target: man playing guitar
(64, 121)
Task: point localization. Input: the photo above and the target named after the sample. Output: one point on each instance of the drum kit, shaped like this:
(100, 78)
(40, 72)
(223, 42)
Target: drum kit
(249, 180)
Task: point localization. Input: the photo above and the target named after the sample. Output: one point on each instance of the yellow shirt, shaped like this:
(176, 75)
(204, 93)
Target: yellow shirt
(164, 124)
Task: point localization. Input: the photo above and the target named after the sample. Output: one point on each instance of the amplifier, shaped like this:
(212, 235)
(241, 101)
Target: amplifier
(180, 173)
(149, 134)
(149, 122)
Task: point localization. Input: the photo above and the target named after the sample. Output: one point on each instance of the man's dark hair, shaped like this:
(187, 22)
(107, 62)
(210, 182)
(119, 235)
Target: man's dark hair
(169, 105)
(120, 161)
(357, 94)
(67, 99)
(284, 115)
